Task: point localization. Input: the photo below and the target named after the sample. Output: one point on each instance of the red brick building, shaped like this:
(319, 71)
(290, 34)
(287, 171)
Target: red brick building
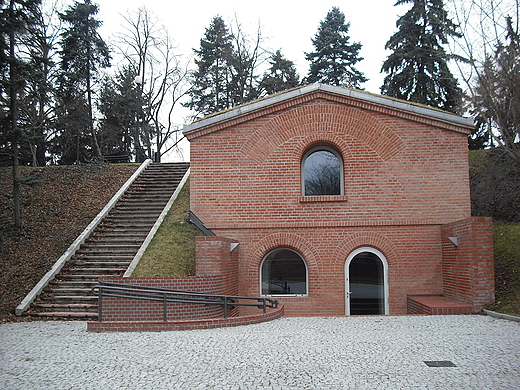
(341, 201)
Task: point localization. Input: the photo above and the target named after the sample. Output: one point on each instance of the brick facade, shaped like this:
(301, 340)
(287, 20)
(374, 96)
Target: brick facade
(468, 267)
(406, 185)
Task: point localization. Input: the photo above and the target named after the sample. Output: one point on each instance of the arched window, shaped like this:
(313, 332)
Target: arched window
(283, 272)
(322, 172)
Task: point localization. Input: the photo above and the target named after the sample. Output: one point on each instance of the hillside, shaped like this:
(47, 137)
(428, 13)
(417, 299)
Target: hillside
(495, 185)
(58, 202)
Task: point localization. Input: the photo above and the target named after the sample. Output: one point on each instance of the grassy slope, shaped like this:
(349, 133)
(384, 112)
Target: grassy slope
(507, 268)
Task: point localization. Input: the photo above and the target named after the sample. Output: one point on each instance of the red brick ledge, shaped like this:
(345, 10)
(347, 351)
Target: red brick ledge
(208, 323)
(436, 305)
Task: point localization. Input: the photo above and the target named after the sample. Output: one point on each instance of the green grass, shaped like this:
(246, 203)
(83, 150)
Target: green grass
(172, 250)
(507, 268)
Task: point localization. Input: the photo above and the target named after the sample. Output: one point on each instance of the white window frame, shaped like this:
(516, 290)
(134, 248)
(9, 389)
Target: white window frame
(385, 276)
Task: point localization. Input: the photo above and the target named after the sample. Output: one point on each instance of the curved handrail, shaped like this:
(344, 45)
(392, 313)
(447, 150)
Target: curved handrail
(129, 291)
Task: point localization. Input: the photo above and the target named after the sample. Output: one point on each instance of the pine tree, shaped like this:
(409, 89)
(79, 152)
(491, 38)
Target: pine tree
(16, 18)
(417, 69)
(210, 82)
(83, 53)
(116, 105)
(334, 57)
(281, 76)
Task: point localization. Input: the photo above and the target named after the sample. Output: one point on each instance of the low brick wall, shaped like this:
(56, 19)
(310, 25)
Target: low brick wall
(124, 309)
(468, 267)
(436, 305)
(208, 323)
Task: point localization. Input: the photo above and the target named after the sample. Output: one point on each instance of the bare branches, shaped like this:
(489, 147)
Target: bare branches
(490, 46)
(149, 50)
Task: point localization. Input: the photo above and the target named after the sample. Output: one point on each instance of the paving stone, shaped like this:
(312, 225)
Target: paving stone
(288, 353)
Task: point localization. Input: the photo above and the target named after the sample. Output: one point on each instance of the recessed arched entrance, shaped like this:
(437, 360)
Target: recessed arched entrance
(366, 282)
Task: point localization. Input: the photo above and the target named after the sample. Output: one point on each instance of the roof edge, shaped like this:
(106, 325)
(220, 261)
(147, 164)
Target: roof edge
(398, 104)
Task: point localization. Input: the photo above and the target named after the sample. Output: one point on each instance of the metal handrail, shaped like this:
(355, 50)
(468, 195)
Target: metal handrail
(228, 302)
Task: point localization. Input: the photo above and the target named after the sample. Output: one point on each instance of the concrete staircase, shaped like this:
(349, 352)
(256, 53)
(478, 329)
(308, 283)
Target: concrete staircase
(111, 247)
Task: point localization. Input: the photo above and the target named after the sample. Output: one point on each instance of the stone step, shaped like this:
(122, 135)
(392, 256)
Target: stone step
(70, 284)
(120, 228)
(57, 314)
(104, 258)
(63, 299)
(134, 220)
(84, 254)
(140, 217)
(111, 247)
(98, 271)
(98, 264)
(116, 239)
(137, 208)
(65, 307)
(149, 194)
(80, 277)
(67, 291)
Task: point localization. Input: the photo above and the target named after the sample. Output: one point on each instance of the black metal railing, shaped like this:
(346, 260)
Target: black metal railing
(227, 302)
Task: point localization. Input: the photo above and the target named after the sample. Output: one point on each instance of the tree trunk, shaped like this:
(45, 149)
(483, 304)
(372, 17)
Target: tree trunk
(95, 144)
(14, 118)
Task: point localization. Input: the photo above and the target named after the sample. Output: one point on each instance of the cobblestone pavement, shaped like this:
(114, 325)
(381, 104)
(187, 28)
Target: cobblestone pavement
(288, 353)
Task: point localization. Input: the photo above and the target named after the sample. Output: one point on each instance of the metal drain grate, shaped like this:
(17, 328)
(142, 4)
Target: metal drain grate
(439, 363)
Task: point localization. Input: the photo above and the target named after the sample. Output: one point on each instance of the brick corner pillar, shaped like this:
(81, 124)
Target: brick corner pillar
(218, 256)
(467, 261)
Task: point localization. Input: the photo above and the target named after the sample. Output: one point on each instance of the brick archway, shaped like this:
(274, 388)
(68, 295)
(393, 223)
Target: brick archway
(364, 239)
(326, 118)
(279, 240)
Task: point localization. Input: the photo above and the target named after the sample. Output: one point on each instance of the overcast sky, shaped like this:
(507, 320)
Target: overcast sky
(287, 25)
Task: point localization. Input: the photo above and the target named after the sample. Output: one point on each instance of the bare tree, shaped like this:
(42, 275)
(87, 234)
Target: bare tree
(488, 65)
(37, 101)
(246, 59)
(150, 51)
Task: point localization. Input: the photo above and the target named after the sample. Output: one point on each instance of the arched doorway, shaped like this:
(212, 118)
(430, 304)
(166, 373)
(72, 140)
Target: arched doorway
(366, 282)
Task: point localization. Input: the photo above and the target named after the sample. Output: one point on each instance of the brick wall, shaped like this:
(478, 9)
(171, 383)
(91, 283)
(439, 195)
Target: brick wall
(405, 176)
(468, 268)
(123, 309)
(217, 273)
(396, 170)
(413, 254)
(214, 257)
(206, 323)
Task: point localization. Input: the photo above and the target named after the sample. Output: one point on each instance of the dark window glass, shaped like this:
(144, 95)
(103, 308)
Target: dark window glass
(322, 173)
(284, 273)
(366, 285)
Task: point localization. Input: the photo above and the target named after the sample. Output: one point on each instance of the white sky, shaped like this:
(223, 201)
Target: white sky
(287, 25)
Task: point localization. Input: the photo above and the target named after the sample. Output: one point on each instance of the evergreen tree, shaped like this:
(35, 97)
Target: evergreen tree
(16, 17)
(37, 102)
(83, 53)
(334, 57)
(417, 69)
(281, 76)
(210, 82)
(117, 107)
